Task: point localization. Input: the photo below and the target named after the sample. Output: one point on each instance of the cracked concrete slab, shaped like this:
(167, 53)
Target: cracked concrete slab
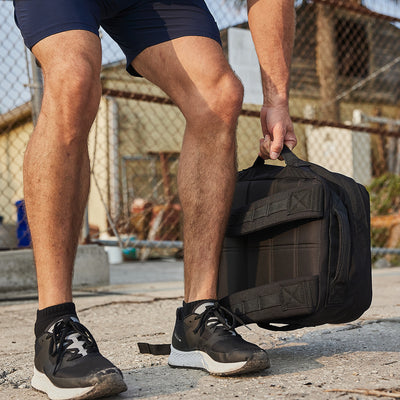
(326, 362)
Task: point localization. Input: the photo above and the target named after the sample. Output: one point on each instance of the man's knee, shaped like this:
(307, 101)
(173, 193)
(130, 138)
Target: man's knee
(231, 96)
(71, 100)
(75, 84)
(220, 102)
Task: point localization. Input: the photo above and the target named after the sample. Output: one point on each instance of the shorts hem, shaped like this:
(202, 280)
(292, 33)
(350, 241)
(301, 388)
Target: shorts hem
(33, 40)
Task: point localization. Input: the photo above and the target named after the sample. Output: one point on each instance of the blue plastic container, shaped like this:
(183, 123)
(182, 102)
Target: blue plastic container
(23, 232)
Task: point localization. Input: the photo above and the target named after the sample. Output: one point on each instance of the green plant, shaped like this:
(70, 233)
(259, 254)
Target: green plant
(385, 194)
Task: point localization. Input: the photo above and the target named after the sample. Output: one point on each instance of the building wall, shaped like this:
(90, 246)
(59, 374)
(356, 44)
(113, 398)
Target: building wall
(99, 162)
(12, 149)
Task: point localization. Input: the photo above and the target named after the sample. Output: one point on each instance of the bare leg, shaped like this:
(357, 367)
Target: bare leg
(56, 165)
(195, 74)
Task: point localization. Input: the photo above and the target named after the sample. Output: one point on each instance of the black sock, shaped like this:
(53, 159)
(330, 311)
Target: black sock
(48, 315)
(188, 308)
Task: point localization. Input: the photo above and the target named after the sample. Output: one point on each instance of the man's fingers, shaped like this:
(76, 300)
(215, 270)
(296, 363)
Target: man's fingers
(290, 140)
(276, 145)
(264, 147)
(278, 130)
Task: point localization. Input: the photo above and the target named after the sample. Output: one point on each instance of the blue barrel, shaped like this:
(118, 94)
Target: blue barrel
(23, 232)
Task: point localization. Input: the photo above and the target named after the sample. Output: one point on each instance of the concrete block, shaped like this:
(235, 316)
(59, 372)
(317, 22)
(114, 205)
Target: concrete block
(17, 268)
(91, 266)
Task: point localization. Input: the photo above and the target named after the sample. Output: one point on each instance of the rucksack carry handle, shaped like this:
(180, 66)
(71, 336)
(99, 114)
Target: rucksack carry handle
(289, 157)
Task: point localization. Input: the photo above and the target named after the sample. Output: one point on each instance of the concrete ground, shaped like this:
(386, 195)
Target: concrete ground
(359, 360)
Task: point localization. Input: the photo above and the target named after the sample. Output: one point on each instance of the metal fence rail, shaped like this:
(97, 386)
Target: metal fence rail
(344, 103)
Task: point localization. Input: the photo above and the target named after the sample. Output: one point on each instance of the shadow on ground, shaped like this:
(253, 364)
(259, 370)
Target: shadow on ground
(296, 354)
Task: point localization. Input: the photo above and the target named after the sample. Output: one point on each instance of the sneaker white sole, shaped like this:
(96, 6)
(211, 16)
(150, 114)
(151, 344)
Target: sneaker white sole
(200, 360)
(111, 385)
(42, 383)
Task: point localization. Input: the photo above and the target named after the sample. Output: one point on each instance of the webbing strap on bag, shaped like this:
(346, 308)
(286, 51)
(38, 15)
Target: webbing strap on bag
(277, 208)
(287, 297)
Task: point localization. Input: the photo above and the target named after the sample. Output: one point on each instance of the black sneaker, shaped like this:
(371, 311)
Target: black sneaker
(206, 340)
(68, 364)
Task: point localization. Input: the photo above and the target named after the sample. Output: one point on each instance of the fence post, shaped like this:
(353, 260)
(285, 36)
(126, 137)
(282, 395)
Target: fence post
(36, 89)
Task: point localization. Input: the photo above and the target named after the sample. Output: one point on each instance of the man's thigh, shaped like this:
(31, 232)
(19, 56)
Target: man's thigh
(189, 69)
(147, 23)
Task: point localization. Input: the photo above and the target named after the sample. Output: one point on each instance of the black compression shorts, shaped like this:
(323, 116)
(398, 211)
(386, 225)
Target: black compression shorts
(133, 24)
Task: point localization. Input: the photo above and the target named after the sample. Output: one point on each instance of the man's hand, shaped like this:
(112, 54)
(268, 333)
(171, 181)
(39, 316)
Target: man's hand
(277, 128)
(272, 25)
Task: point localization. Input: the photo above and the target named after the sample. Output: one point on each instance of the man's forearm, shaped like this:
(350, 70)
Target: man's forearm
(272, 25)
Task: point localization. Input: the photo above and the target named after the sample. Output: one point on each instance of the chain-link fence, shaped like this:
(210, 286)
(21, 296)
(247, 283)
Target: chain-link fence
(345, 99)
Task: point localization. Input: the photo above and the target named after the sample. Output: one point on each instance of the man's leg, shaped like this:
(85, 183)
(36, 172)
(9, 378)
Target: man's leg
(56, 165)
(195, 74)
(56, 184)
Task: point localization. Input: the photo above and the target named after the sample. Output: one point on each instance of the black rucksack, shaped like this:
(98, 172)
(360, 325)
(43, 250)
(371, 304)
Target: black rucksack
(297, 247)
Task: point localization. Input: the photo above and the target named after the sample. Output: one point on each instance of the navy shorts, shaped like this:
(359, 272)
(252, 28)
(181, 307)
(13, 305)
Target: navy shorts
(133, 24)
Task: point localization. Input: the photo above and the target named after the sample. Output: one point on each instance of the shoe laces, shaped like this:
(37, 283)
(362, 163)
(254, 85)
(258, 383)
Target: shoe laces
(70, 337)
(218, 317)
